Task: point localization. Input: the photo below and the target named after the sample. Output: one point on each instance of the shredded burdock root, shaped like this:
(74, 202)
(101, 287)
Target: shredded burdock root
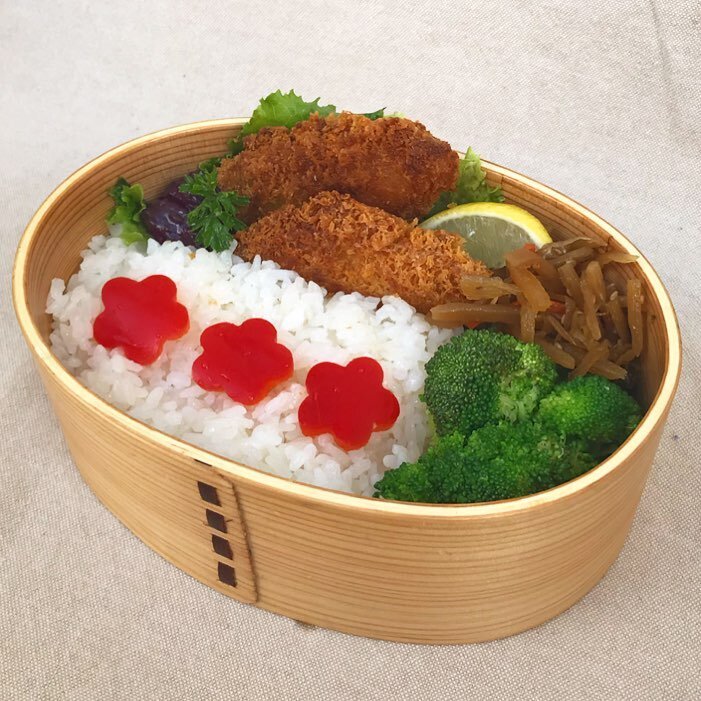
(570, 297)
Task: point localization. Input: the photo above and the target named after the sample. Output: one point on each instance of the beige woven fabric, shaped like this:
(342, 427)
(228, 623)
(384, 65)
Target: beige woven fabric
(601, 100)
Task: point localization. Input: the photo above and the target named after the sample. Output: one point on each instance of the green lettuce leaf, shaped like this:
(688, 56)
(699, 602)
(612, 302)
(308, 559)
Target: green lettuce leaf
(279, 110)
(471, 186)
(129, 202)
(284, 110)
(375, 115)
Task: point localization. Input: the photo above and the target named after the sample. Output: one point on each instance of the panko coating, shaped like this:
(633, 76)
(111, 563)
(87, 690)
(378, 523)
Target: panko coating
(345, 245)
(392, 163)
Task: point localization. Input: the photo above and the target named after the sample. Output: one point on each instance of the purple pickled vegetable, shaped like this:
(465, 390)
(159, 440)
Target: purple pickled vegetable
(165, 218)
(173, 192)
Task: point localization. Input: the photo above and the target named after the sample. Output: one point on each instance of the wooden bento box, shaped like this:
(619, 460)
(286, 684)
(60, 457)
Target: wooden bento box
(391, 570)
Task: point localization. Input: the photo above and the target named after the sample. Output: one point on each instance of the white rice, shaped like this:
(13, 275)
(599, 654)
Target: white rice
(315, 327)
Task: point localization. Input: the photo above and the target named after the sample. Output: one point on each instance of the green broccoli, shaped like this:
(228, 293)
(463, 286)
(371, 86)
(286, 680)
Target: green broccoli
(502, 431)
(499, 461)
(592, 409)
(503, 461)
(577, 458)
(410, 481)
(483, 377)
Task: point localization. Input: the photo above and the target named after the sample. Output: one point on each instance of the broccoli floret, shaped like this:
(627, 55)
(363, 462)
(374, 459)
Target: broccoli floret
(577, 458)
(418, 481)
(509, 460)
(592, 409)
(409, 482)
(502, 431)
(483, 377)
(499, 461)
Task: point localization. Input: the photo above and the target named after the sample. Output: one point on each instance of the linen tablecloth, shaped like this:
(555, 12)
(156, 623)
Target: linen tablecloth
(600, 100)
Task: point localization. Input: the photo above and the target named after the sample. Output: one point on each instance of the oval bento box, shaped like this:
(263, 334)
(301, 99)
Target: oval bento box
(391, 570)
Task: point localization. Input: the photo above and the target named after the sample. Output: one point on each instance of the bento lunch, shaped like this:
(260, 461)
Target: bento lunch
(343, 300)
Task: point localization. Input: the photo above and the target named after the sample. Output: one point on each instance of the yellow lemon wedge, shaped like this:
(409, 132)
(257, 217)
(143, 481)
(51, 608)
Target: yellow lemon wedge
(490, 229)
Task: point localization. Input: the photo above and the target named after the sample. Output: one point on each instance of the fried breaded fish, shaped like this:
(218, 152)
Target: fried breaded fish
(342, 244)
(392, 163)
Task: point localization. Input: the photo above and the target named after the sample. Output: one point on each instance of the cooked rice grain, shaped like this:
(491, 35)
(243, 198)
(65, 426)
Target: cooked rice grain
(218, 287)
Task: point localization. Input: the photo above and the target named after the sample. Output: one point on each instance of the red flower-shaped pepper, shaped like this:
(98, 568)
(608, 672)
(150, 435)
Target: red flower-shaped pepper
(349, 402)
(140, 317)
(244, 361)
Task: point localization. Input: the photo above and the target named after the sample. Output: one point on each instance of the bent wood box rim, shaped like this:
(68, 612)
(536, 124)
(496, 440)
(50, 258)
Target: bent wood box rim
(323, 503)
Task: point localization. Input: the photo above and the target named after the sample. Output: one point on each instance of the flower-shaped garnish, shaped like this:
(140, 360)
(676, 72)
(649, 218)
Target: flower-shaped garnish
(349, 402)
(140, 317)
(244, 361)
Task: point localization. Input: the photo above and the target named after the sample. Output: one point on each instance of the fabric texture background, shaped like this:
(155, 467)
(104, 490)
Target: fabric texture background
(600, 100)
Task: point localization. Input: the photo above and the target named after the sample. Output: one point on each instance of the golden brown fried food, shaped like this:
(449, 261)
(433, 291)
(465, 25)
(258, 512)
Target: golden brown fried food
(391, 163)
(345, 245)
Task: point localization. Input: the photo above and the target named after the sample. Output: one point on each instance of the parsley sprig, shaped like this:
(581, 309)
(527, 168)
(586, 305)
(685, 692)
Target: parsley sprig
(216, 218)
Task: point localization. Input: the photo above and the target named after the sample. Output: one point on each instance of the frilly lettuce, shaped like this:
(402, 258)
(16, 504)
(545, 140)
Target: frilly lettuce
(129, 202)
(472, 186)
(284, 110)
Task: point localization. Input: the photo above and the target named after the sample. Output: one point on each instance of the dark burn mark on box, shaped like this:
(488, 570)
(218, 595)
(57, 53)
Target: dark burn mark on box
(208, 493)
(216, 520)
(226, 573)
(222, 547)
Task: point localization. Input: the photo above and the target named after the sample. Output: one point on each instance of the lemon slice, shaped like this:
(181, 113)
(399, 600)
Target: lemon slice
(490, 229)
